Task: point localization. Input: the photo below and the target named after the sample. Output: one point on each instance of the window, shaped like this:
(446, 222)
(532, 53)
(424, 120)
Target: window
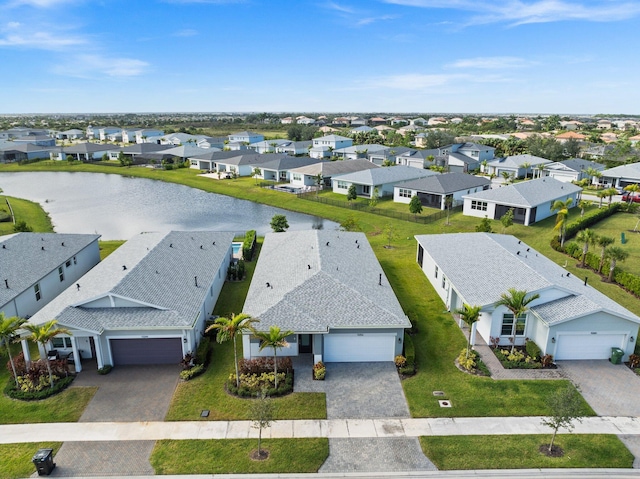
(36, 289)
(75, 261)
(68, 264)
(507, 324)
(404, 193)
(61, 342)
(297, 177)
(475, 153)
(343, 185)
(436, 272)
(478, 205)
(444, 282)
(61, 274)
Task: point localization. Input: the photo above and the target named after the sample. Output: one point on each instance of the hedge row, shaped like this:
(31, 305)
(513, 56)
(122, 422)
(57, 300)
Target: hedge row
(590, 219)
(249, 244)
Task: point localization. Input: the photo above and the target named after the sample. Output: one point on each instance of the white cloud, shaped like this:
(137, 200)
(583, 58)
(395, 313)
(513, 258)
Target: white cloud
(40, 40)
(339, 8)
(188, 32)
(493, 63)
(40, 3)
(13, 25)
(412, 81)
(519, 12)
(92, 65)
(370, 20)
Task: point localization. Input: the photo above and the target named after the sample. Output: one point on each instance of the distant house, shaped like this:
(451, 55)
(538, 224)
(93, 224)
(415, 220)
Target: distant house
(11, 152)
(86, 151)
(268, 146)
(111, 133)
(518, 166)
(377, 121)
(243, 164)
(466, 157)
(326, 170)
(359, 151)
(37, 267)
(139, 153)
(531, 200)
(574, 169)
(212, 142)
(362, 129)
(38, 140)
(73, 134)
(325, 145)
(146, 303)
(247, 137)
(20, 131)
(434, 190)
(149, 135)
(420, 158)
(177, 139)
(389, 155)
(570, 320)
(279, 168)
(570, 135)
(330, 290)
(404, 130)
(294, 148)
(381, 179)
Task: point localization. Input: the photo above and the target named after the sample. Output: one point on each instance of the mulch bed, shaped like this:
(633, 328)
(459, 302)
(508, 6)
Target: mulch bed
(259, 456)
(556, 451)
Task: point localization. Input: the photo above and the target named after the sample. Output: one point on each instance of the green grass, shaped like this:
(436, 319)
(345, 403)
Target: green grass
(15, 459)
(108, 247)
(521, 452)
(24, 210)
(208, 392)
(232, 456)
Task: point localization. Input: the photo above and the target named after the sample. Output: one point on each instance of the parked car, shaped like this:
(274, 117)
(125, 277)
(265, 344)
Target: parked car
(628, 197)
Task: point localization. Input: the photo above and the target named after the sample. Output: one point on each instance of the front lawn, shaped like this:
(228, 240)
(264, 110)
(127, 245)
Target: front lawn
(15, 459)
(231, 456)
(521, 452)
(208, 392)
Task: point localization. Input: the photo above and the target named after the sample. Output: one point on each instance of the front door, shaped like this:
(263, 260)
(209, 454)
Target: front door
(304, 343)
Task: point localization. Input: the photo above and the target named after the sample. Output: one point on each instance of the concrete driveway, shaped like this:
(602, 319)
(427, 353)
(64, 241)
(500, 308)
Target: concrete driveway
(610, 389)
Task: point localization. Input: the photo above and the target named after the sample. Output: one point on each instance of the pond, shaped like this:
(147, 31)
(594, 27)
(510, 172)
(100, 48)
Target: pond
(119, 207)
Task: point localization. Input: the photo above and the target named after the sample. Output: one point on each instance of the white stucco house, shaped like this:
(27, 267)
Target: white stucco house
(360, 151)
(517, 166)
(571, 320)
(325, 145)
(149, 135)
(84, 151)
(308, 175)
(531, 200)
(331, 292)
(381, 179)
(268, 146)
(37, 267)
(574, 169)
(434, 190)
(621, 176)
(247, 137)
(146, 303)
(279, 168)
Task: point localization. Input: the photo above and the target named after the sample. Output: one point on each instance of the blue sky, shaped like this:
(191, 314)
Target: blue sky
(458, 56)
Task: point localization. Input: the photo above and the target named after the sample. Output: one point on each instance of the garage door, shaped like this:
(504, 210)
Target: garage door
(350, 348)
(146, 351)
(587, 346)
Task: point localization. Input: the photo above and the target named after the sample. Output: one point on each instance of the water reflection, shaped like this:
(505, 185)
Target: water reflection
(119, 207)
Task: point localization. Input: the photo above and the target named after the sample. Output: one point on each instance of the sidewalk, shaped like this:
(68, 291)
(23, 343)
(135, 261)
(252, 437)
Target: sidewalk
(335, 428)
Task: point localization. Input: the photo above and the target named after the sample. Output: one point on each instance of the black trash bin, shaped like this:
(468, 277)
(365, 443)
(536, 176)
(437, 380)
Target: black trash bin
(43, 460)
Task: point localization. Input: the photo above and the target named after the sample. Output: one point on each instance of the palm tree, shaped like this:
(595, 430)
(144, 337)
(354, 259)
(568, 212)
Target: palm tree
(506, 176)
(231, 328)
(610, 192)
(562, 208)
(8, 329)
(603, 242)
(583, 204)
(597, 175)
(517, 302)
(632, 190)
(469, 314)
(42, 334)
(615, 254)
(526, 165)
(601, 195)
(276, 339)
(587, 237)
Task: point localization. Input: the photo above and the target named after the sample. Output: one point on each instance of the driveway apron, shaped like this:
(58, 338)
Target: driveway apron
(126, 394)
(365, 391)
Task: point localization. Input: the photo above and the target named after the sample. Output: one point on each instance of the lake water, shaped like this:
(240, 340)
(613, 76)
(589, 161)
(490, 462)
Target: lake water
(119, 207)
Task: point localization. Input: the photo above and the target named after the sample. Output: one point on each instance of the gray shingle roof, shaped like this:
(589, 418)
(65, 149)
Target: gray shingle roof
(381, 176)
(517, 161)
(527, 193)
(287, 162)
(481, 266)
(578, 164)
(23, 262)
(446, 183)
(160, 274)
(88, 148)
(331, 168)
(624, 171)
(314, 287)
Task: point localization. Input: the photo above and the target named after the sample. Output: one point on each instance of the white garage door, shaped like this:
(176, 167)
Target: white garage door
(587, 346)
(351, 348)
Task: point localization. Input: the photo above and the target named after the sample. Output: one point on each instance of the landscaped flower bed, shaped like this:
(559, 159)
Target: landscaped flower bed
(258, 374)
(528, 357)
(33, 379)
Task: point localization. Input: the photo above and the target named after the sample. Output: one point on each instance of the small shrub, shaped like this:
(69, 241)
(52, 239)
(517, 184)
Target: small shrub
(193, 372)
(468, 363)
(319, 371)
(546, 360)
(106, 369)
(264, 365)
(634, 360)
(203, 353)
(533, 350)
(285, 384)
(400, 361)
(60, 385)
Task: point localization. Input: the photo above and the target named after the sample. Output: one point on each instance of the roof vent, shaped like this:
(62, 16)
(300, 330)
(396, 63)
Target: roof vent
(62, 243)
(585, 280)
(327, 243)
(42, 248)
(170, 245)
(78, 286)
(528, 249)
(380, 280)
(518, 253)
(519, 242)
(268, 284)
(356, 241)
(214, 243)
(201, 247)
(195, 278)
(6, 283)
(358, 246)
(124, 267)
(308, 266)
(4, 246)
(568, 274)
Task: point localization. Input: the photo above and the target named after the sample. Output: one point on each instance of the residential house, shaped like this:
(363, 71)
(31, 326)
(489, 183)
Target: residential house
(377, 121)
(420, 158)
(107, 132)
(634, 140)
(326, 170)
(405, 130)
(389, 155)
(609, 137)
(268, 146)
(140, 152)
(360, 151)
(325, 145)
(286, 121)
(357, 121)
(435, 190)
(38, 140)
(149, 135)
(437, 121)
(85, 151)
(466, 157)
(212, 142)
(177, 139)
(397, 121)
(531, 200)
(377, 180)
(604, 125)
(73, 134)
(517, 166)
(304, 120)
(362, 129)
(574, 169)
(20, 131)
(383, 129)
(418, 121)
(146, 303)
(247, 137)
(570, 135)
(331, 291)
(327, 130)
(279, 168)
(243, 164)
(11, 152)
(570, 320)
(295, 148)
(37, 267)
(621, 176)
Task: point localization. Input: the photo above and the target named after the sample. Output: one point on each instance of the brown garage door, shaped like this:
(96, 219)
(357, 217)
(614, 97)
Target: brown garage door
(146, 351)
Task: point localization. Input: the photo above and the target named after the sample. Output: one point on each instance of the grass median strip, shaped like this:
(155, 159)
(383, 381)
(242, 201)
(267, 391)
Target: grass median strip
(522, 452)
(15, 459)
(231, 456)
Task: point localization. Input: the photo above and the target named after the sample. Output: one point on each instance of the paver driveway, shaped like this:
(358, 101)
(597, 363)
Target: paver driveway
(610, 389)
